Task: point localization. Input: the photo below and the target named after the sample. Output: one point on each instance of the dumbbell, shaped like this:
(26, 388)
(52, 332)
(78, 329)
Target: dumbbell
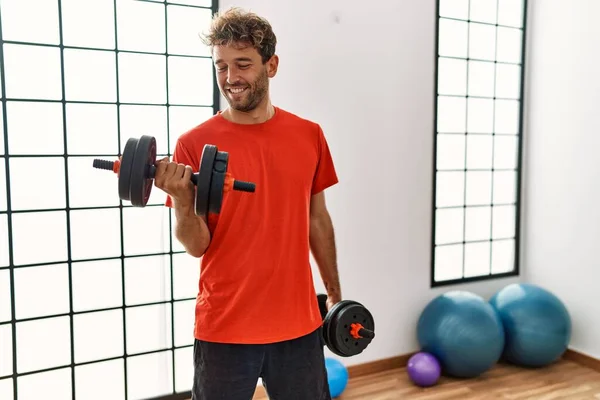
(136, 170)
(348, 328)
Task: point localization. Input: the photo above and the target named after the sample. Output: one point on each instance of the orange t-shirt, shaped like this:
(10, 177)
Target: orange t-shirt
(256, 283)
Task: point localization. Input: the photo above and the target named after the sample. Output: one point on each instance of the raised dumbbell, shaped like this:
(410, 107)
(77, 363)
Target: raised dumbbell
(137, 167)
(348, 328)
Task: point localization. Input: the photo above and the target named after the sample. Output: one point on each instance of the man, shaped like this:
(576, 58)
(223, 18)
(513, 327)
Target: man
(257, 314)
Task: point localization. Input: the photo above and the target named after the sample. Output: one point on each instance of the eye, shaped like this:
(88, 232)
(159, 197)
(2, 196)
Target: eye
(244, 66)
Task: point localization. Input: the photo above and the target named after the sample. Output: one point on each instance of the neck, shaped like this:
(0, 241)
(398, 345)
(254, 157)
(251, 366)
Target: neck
(262, 113)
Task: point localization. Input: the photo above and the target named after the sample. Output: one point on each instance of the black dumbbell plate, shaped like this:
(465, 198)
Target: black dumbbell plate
(141, 184)
(204, 179)
(125, 169)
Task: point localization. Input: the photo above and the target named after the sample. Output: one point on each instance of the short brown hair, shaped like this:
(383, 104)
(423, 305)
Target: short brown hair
(236, 26)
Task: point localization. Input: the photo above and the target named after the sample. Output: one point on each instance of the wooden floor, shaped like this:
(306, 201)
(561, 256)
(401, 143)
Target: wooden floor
(564, 380)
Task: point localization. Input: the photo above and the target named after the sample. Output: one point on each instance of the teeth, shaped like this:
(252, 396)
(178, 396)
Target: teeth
(237, 90)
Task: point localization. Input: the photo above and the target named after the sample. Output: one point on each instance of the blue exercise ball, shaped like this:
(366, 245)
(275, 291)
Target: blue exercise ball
(463, 332)
(337, 376)
(536, 322)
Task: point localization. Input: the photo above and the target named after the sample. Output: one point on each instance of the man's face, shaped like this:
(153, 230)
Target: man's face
(242, 77)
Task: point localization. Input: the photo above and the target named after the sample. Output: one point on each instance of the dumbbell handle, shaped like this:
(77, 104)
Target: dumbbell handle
(111, 165)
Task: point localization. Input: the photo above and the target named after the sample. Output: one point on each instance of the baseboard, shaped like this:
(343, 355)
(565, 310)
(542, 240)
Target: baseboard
(582, 359)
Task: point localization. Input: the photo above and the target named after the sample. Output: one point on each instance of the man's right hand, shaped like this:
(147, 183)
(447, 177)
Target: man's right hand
(175, 179)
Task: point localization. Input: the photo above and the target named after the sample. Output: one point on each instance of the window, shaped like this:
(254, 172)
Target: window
(96, 297)
(478, 114)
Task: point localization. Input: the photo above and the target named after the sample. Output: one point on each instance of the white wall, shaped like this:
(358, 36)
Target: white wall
(562, 213)
(365, 72)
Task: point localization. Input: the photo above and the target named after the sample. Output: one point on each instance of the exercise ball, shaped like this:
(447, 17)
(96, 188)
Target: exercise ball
(424, 369)
(536, 322)
(463, 332)
(337, 376)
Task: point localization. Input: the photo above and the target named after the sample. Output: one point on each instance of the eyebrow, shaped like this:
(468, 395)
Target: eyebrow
(237, 59)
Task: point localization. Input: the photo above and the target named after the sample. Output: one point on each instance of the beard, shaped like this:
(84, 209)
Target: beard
(253, 95)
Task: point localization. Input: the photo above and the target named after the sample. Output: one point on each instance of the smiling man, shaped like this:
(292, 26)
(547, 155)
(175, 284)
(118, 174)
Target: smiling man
(257, 314)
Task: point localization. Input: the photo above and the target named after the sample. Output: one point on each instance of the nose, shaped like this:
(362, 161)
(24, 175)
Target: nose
(232, 77)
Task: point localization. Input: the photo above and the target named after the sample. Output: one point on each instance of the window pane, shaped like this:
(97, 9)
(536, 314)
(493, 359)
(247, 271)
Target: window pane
(1, 130)
(479, 188)
(90, 75)
(175, 243)
(453, 38)
(142, 78)
(91, 188)
(32, 72)
(451, 114)
(509, 45)
(48, 282)
(45, 192)
(145, 120)
(50, 236)
(182, 119)
(6, 366)
(21, 23)
(507, 116)
(510, 12)
(37, 386)
(202, 3)
(190, 81)
(88, 24)
(505, 185)
(6, 388)
(146, 230)
(184, 371)
(97, 138)
(504, 218)
(505, 152)
(503, 256)
(40, 135)
(454, 9)
(477, 223)
(86, 381)
(479, 151)
(185, 25)
(508, 81)
(56, 331)
(98, 335)
(483, 11)
(5, 296)
(141, 26)
(97, 285)
(3, 200)
(155, 272)
(477, 259)
(449, 225)
(482, 41)
(150, 375)
(481, 79)
(184, 322)
(450, 188)
(91, 227)
(450, 151)
(148, 328)
(480, 115)
(452, 79)
(186, 273)
(448, 262)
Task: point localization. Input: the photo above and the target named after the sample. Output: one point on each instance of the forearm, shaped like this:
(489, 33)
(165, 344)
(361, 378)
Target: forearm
(191, 230)
(322, 244)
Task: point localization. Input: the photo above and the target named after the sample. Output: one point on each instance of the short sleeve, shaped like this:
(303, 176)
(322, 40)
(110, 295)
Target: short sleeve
(325, 173)
(182, 155)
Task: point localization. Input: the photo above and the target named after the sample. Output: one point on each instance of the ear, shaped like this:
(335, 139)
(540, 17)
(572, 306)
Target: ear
(272, 66)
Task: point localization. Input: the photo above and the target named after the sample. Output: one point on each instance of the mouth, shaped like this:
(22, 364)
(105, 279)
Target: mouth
(236, 90)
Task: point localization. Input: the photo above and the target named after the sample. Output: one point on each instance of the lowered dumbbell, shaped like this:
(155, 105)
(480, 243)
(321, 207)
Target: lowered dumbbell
(137, 167)
(348, 328)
